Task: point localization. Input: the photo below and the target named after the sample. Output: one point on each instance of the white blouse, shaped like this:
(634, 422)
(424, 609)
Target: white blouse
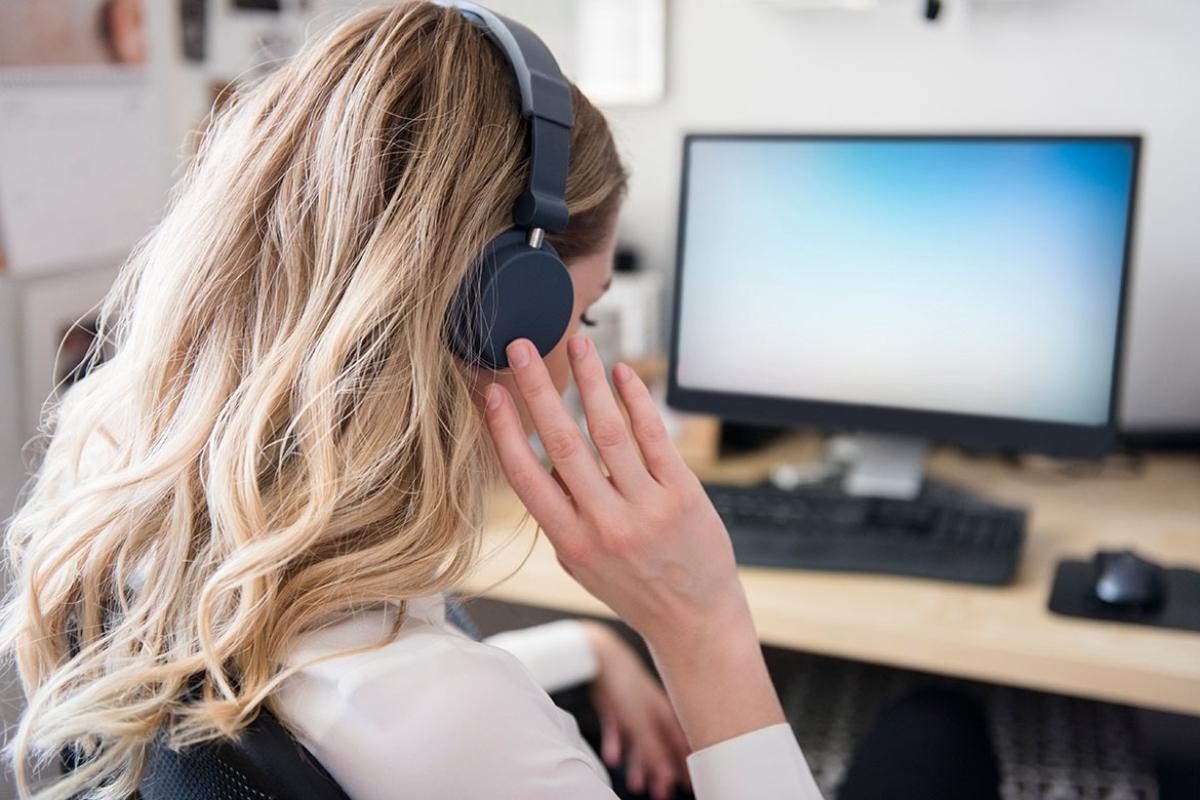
(436, 714)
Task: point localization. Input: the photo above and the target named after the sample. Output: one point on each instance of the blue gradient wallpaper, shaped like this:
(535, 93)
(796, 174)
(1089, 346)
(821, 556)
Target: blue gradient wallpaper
(979, 277)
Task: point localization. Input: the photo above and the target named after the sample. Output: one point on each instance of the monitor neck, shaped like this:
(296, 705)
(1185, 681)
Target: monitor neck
(885, 466)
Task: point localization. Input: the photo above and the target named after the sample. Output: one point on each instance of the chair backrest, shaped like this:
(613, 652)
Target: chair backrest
(267, 763)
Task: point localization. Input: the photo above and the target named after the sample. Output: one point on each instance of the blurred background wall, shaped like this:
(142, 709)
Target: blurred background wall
(731, 65)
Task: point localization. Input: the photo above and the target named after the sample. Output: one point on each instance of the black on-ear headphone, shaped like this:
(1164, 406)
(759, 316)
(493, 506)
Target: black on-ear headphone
(519, 287)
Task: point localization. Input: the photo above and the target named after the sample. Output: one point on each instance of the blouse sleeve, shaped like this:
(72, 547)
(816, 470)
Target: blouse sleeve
(557, 654)
(765, 764)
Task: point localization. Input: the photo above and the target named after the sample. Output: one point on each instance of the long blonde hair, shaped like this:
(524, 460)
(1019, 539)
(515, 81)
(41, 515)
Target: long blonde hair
(282, 433)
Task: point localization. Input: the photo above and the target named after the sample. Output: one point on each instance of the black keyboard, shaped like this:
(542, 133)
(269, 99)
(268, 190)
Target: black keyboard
(943, 534)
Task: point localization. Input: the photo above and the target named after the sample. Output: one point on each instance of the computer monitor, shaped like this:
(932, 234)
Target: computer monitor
(955, 288)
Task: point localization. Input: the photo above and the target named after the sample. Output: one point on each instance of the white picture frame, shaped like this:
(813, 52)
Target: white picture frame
(620, 51)
(614, 50)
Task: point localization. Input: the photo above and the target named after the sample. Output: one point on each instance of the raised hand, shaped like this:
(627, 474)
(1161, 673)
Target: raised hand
(644, 539)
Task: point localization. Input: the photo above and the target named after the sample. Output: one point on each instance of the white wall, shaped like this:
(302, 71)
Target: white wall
(988, 65)
(10, 433)
(11, 478)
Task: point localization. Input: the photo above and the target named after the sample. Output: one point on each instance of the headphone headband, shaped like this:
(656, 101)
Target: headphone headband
(518, 287)
(546, 103)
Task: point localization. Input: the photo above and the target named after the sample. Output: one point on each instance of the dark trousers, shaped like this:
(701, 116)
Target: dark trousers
(931, 745)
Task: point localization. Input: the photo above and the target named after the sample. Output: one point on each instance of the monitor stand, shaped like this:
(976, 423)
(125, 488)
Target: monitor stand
(886, 466)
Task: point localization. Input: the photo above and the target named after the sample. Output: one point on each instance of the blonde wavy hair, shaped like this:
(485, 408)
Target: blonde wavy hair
(282, 433)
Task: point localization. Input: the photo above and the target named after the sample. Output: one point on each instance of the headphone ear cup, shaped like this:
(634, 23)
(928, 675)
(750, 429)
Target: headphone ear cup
(513, 291)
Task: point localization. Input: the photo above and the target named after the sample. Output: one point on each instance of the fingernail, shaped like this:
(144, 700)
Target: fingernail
(494, 397)
(622, 372)
(518, 353)
(577, 347)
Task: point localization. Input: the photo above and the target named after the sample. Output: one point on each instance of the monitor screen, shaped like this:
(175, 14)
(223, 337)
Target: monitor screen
(967, 275)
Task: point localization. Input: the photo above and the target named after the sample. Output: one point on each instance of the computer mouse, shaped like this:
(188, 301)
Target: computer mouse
(1125, 579)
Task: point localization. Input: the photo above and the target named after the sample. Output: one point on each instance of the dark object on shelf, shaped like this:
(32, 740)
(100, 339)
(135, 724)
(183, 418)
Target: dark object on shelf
(257, 5)
(943, 534)
(1127, 580)
(933, 8)
(626, 260)
(193, 16)
(1073, 594)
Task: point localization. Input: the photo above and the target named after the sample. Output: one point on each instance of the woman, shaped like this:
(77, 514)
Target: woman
(262, 497)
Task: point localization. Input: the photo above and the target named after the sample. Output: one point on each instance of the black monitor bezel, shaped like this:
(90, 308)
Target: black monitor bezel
(1062, 439)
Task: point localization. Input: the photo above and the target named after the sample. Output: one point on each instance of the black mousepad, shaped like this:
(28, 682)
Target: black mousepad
(1072, 596)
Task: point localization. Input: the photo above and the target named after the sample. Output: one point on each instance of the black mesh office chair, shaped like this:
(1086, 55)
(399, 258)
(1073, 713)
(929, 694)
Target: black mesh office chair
(266, 764)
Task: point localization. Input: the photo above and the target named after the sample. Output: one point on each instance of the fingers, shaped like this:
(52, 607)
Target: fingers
(606, 425)
(610, 740)
(677, 741)
(635, 775)
(561, 437)
(654, 751)
(661, 457)
(537, 490)
(673, 742)
(657, 770)
(662, 783)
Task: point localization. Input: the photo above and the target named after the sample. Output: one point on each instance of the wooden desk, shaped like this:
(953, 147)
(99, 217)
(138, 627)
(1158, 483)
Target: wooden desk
(1003, 635)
